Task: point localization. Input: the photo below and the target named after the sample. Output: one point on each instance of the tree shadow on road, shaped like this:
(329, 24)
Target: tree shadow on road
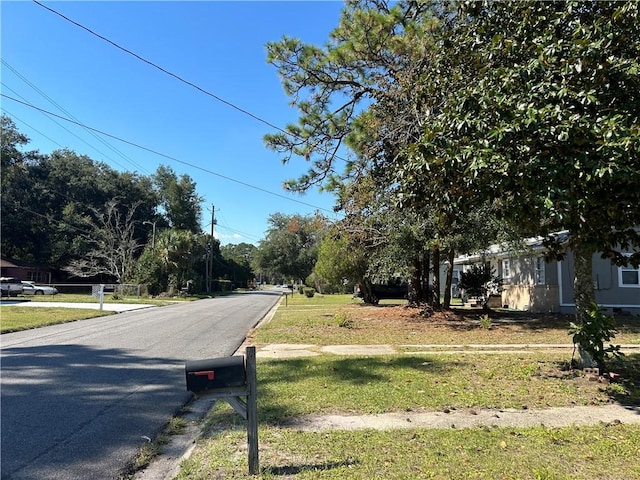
(70, 404)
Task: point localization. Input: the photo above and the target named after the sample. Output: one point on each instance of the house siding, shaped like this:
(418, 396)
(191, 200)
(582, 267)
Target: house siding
(608, 292)
(520, 290)
(24, 271)
(533, 298)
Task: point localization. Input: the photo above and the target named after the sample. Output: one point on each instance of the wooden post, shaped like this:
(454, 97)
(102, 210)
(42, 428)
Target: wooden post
(252, 411)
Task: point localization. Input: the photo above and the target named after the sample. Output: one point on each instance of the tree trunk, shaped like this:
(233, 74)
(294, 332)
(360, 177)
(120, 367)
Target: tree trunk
(436, 276)
(366, 291)
(426, 291)
(583, 292)
(415, 282)
(449, 280)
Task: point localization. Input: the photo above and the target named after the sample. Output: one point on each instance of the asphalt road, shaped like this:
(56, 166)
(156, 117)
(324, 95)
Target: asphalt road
(78, 399)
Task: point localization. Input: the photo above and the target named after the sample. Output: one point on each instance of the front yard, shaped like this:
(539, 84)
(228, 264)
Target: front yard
(453, 376)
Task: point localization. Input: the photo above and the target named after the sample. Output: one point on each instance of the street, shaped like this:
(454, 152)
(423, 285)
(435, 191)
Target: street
(79, 399)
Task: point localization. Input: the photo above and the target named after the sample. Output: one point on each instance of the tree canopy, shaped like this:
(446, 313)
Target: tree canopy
(526, 111)
(536, 108)
(290, 247)
(82, 217)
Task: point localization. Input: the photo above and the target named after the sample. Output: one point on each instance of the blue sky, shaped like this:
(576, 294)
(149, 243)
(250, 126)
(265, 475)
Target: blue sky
(219, 46)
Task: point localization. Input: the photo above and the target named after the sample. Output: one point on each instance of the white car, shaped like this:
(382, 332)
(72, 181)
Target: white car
(10, 286)
(30, 288)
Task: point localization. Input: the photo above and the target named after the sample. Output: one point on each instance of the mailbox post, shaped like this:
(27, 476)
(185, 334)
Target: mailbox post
(230, 378)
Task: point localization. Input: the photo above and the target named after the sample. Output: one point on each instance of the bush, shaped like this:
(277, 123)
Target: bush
(479, 281)
(343, 320)
(301, 289)
(485, 322)
(309, 292)
(590, 336)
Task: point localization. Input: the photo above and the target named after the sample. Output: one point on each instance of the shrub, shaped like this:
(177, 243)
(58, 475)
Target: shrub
(301, 289)
(343, 320)
(590, 336)
(479, 281)
(485, 322)
(309, 292)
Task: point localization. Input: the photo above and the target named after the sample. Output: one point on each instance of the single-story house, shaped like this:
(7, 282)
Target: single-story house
(533, 284)
(25, 271)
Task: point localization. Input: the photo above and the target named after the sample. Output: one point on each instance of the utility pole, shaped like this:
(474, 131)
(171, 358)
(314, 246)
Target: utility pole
(210, 265)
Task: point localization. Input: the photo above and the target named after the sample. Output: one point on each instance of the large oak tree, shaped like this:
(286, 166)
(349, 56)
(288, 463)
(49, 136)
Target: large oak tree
(536, 107)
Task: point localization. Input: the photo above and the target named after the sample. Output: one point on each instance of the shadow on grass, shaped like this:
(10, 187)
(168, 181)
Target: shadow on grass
(341, 374)
(626, 390)
(296, 469)
(341, 370)
(314, 377)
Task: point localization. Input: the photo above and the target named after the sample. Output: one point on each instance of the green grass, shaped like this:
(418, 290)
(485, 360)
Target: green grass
(23, 318)
(579, 453)
(410, 382)
(319, 300)
(14, 318)
(372, 385)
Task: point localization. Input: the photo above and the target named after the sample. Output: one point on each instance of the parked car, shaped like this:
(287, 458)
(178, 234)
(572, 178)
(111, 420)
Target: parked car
(10, 286)
(391, 290)
(30, 288)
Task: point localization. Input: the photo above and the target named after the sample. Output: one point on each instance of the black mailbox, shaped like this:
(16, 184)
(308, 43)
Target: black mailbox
(215, 373)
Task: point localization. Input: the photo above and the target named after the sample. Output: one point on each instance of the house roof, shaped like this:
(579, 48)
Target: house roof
(503, 250)
(4, 263)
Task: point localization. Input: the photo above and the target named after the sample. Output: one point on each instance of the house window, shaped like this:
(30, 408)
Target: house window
(540, 271)
(629, 277)
(37, 277)
(506, 268)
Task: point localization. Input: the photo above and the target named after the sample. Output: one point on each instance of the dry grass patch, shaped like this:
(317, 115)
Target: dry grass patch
(402, 325)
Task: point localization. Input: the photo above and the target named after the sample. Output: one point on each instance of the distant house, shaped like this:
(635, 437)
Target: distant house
(25, 271)
(531, 283)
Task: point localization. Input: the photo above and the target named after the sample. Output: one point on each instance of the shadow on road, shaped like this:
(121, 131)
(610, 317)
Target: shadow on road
(51, 394)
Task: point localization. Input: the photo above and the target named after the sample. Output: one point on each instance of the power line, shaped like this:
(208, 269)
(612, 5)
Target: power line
(155, 152)
(180, 79)
(233, 230)
(57, 123)
(25, 123)
(53, 102)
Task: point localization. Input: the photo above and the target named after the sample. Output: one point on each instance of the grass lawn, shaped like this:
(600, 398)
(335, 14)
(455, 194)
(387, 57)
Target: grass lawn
(325, 321)
(481, 454)
(23, 318)
(109, 298)
(331, 384)
(14, 318)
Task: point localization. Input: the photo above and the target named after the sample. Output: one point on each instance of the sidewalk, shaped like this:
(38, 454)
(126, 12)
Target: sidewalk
(287, 350)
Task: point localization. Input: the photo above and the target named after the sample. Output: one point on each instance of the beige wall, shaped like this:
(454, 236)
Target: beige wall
(534, 298)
